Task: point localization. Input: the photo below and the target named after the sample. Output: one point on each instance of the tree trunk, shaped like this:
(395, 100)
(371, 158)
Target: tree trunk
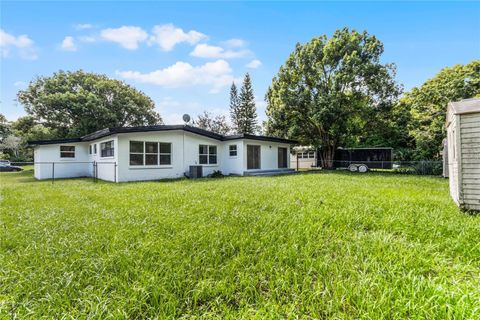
(327, 154)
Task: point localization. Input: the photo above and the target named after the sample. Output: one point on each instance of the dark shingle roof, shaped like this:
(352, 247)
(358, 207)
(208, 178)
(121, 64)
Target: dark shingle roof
(209, 134)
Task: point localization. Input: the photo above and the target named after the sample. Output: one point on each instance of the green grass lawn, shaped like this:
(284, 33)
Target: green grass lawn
(325, 245)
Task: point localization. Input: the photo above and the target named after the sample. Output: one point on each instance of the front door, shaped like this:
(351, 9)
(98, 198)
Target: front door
(282, 157)
(253, 157)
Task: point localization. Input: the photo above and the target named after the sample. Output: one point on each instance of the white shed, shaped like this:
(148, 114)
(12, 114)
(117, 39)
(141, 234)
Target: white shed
(463, 135)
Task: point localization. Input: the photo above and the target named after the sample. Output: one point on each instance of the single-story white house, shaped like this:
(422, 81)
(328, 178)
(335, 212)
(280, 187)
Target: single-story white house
(158, 152)
(463, 143)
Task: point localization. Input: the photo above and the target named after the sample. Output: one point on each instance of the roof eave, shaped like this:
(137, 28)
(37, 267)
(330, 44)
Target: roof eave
(53, 141)
(121, 130)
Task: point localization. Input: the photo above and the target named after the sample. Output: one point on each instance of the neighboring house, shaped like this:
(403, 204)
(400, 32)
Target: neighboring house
(303, 157)
(463, 141)
(158, 152)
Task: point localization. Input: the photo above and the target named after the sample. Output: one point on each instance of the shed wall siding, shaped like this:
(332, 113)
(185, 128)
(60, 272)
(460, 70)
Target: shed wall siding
(470, 151)
(453, 158)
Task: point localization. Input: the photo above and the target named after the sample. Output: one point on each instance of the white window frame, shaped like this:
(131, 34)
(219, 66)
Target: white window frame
(137, 153)
(94, 148)
(306, 155)
(208, 154)
(230, 151)
(113, 148)
(160, 153)
(67, 152)
(144, 154)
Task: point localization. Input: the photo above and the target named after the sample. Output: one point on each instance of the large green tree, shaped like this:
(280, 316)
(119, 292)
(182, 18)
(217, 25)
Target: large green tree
(78, 103)
(328, 89)
(14, 136)
(387, 127)
(214, 123)
(5, 128)
(247, 121)
(235, 112)
(428, 105)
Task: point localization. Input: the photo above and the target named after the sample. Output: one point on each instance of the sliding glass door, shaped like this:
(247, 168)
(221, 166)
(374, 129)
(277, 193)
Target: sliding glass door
(282, 157)
(253, 157)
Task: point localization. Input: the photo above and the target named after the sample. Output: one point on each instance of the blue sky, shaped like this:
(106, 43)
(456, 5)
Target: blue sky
(185, 55)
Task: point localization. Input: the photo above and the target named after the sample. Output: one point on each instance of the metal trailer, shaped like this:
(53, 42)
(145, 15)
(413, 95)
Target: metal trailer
(363, 159)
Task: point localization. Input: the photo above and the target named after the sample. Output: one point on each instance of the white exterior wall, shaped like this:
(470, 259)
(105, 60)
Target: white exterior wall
(106, 169)
(185, 148)
(234, 165)
(268, 154)
(185, 152)
(302, 163)
(45, 155)
(139, 173)
(192, 141)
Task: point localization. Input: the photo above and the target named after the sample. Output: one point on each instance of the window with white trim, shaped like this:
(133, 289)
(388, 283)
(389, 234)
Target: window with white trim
(207, 154)
(90, 149)
(232, 150)
(95, 148)
(67, 151)
(145, 153)
(107, 149)
(306, 155)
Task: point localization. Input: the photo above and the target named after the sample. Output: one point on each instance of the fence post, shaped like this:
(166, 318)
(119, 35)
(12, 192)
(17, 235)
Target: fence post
(53, 172)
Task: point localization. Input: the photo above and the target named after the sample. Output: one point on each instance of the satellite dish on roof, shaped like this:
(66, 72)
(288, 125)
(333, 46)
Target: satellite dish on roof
(186, 118)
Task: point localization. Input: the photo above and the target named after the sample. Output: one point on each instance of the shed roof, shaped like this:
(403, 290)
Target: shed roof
(464, 106)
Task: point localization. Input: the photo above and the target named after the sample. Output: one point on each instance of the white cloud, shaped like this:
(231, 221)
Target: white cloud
(168, 36)
(88, 39)
(68, 44)
(216, 75)
(83, 26)
(128, 37)
(235, 43)
(261, 108)
(172, 118)
(23, 44)
(19, 83)
(208, 51)
(166, 106)
(254, 64)
(172, 110)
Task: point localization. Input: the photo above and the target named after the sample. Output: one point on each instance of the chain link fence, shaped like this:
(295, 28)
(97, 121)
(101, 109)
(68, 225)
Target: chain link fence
(108, 170)
(424, 167)
(53, 170)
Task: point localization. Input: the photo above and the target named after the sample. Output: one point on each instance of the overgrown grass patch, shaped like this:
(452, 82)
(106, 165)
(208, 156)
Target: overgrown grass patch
(325, 245)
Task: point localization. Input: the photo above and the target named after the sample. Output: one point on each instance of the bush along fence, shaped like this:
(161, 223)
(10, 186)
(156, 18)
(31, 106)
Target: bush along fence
(72, 169)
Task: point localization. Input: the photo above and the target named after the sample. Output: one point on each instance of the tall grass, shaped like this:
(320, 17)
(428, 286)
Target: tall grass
(328, 245)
